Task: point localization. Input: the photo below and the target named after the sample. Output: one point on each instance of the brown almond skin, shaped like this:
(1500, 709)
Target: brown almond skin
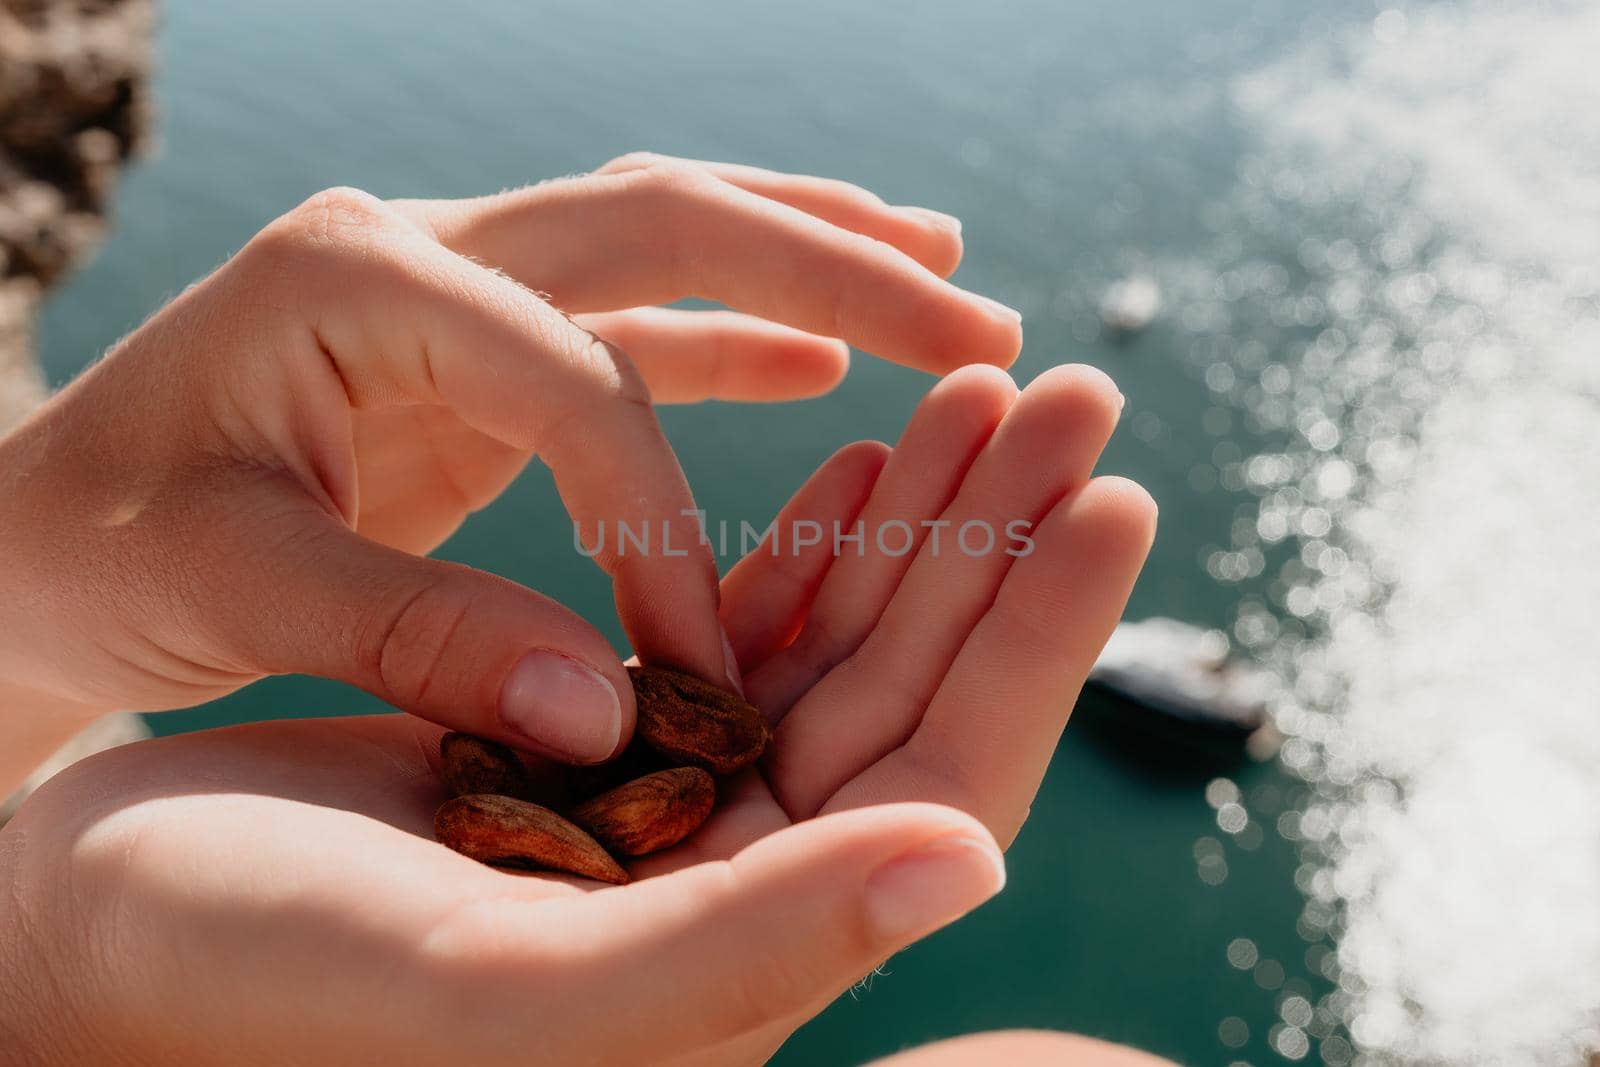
(508, 832)
(470, 764)
(651, 813)
(691, 721)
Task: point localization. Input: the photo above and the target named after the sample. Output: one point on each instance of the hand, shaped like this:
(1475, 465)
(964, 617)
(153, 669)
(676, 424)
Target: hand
(272, 885)
(912, 668)
(244, 485)
(905, 669)
(1023, 1048)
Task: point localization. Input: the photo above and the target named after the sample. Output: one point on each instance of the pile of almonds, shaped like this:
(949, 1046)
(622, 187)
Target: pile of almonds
(508, 812)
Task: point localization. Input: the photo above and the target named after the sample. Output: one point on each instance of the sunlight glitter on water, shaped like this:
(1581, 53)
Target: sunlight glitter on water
(1422, 561)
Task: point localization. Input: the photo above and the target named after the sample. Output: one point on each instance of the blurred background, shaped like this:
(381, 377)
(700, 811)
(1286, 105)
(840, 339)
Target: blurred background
(1341, 257)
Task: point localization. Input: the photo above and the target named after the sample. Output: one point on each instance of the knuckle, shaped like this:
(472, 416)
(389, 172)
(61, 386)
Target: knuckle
(339, 226)
(341, 211)
(411, 651)
(673, 180)
(618, 378)
(678, 196)
(630, 161)
(321, 246)
(607, 387)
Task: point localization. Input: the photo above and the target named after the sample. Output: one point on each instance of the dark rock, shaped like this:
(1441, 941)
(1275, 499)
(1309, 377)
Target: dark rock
(74, 105)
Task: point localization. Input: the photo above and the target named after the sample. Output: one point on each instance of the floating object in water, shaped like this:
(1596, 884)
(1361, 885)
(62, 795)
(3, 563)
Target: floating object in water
(1131, 304)
(1186, 678)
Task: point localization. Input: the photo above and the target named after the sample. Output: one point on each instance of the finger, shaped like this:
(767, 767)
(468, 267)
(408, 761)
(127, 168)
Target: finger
(468, 650)
(1023, 1048)
(944, 436)
(745, 813)
(689, 356)
(932, 238)
(514, 369)
(408, 499)
(767, 594)
(987, 737)
(660, 234)
(1046, 446)
(850, 891)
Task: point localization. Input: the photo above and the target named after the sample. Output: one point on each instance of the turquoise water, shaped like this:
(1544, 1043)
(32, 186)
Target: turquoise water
(1057, 130)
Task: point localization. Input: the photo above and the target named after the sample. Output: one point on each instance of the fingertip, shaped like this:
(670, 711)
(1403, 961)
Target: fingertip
(938, 220)
(1008, 337)
(965, 407)
(864, 459)
(1080, 376)
(983, 379)
(1118, 513)
(797, 366)
(558, 704)
(873, 834)
(833, 362)
(1079, 395)
(932, 885)
(765, 596)
(990, 336)
(939, 246)
(979, 388)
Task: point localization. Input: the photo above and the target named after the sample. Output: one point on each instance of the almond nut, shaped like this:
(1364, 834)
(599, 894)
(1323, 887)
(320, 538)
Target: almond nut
(691, 721)
(651, 813)
(515, 833)
(469, 764)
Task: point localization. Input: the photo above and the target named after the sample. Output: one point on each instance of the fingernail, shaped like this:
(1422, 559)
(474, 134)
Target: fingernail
(562, 706)
(1122, 402)
(932, 885)
(731, 664)
(1000, 309)
(938, 218)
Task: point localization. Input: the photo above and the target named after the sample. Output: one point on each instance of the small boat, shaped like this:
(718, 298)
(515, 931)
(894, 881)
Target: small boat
(1189, 685)
(1131, 304)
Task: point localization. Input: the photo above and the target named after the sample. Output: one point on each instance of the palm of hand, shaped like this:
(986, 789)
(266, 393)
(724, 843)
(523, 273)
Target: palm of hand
(933, 674)
(283, 858)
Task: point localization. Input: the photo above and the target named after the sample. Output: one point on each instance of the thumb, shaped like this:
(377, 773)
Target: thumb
(466, 649)
(720, 950)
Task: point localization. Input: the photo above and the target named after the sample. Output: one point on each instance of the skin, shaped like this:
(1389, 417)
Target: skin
(242, 878)
(271, 893)
(1023, 1048)
(249, 484)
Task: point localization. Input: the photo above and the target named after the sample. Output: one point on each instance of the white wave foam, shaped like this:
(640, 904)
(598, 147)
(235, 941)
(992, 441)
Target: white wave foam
(1440, 480)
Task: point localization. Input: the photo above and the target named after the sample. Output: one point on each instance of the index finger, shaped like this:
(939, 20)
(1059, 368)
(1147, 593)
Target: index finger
(515, 369)
(932, 238)
(670, 230)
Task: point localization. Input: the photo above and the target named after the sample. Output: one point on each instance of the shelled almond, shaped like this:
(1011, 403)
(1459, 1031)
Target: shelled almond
(654, 795)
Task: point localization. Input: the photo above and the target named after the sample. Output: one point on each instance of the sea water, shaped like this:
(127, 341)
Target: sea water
(1367, 409)
(1423, 563)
